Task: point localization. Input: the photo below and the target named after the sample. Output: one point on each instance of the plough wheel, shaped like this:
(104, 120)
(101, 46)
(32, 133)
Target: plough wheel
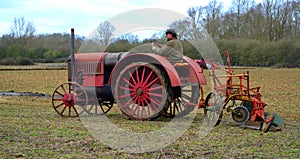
(240, 115)
(140, 91)
(69, 99)
(213, 108)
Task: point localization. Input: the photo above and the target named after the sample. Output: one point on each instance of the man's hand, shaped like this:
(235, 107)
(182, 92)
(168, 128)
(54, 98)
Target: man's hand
(155, 44)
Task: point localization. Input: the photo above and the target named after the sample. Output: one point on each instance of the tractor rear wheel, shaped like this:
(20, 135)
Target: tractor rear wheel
(99, 108)
(184, 102)
(141, 91)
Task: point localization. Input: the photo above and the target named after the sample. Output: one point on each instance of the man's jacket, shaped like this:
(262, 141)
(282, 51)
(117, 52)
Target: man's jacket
(173, 51)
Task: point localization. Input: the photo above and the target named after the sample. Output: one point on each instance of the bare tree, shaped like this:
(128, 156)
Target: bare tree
(196, 14)
(280, 15)
(212, 20)
(295, 21)
(22, 32)
(182, 28)
(270, 10)
(240, 9)
(196, 23)
(256, 23)
(129, 37)
(104, 33)
(288, 19)
(188, 29)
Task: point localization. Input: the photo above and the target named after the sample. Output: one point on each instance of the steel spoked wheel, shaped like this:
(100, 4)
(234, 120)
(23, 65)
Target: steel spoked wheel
(106, 106)
(185, 102)
(140, 90)
(69, 99)
(240, 115)
(99, 109)
(213, 108)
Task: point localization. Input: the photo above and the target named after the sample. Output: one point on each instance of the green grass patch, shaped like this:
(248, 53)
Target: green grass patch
(30, 128)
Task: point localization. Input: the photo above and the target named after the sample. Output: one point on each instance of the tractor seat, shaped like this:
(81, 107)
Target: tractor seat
(180, 64)
(182, 69)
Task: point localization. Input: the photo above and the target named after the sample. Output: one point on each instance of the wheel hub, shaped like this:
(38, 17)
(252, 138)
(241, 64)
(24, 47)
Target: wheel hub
(139, 91)
(68, 100)
(240, 115)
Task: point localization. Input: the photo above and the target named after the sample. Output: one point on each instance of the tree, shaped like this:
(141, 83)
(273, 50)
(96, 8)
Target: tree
(239, 9)
(256, 23)
(196, 14)
(104, 34)
(129, 37)
(22, 32)
(212, 20)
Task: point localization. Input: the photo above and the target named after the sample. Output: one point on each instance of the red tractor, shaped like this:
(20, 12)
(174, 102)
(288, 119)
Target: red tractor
(144, 85)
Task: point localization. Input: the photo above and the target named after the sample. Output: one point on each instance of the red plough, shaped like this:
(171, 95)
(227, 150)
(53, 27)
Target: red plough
(238, 98)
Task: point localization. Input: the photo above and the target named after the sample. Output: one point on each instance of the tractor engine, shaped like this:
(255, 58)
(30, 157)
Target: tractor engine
(93, 70)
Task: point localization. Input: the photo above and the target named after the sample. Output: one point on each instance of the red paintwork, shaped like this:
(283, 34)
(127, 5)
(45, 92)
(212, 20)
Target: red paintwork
(94, 56)
(92, 80)
(92, 66)
(257, 113)
(198, 75)
(150, 58)
(68, 99)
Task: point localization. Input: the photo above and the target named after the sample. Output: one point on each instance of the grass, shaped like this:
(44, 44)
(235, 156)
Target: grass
(30, 128)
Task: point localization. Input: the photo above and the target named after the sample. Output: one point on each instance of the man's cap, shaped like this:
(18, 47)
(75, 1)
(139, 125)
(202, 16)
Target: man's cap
(173, 32)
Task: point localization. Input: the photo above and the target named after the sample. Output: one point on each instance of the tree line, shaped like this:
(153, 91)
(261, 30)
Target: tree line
(263, 34)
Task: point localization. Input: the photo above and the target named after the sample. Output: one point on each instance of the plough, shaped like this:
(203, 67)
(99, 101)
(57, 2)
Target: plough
(239, 99)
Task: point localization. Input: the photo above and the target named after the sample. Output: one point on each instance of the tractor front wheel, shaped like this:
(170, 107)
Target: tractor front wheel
(69, 99)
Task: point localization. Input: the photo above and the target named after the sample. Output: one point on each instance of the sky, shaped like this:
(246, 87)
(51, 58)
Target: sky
(59, 16)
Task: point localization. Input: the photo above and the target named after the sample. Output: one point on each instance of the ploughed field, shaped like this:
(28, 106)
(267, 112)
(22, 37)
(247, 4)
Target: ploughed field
(31, 128)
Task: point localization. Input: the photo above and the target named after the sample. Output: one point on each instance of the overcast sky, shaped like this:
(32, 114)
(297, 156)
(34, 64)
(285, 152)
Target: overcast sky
(58, 16)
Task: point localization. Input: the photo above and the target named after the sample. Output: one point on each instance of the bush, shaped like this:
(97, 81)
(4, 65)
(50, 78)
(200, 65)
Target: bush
(286, 65)
(57, 60)
(51, 54)
(24, 61)
(16, 61)
(8, 61)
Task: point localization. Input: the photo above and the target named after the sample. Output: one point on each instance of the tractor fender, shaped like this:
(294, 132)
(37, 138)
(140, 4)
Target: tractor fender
(198, 75)
(148, 58)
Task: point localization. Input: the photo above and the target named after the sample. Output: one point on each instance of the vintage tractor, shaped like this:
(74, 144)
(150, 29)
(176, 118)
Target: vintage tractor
(143, 85)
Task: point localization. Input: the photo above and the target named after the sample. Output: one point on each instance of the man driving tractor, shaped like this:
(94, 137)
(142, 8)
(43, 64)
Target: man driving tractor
(172, 50)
